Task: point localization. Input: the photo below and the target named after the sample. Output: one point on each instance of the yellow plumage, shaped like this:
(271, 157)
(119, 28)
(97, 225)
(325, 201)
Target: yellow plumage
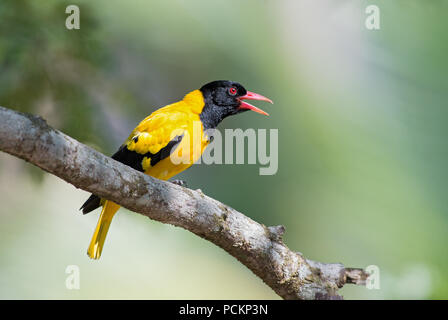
(151, 135)
(99, 236)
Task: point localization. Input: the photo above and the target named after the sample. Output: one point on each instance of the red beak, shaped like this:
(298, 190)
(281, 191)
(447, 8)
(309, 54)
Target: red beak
(253, 96)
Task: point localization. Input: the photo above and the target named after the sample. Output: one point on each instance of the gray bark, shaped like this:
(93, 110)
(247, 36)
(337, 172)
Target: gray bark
(258, 247)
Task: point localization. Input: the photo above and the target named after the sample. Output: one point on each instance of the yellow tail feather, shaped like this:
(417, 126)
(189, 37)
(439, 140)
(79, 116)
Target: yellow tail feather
(97, 242)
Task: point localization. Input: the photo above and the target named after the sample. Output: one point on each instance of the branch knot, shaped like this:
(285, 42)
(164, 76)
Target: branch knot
(276, 232)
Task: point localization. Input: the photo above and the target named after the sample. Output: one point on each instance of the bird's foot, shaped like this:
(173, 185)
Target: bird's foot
(181, 183)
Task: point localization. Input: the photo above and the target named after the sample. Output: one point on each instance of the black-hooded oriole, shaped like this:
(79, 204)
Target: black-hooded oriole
(150, 144)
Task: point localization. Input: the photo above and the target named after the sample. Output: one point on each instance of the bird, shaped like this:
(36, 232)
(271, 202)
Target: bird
(150, 144)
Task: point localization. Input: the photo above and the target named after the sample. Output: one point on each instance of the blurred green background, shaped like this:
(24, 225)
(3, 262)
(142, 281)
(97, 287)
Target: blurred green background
(361, 115)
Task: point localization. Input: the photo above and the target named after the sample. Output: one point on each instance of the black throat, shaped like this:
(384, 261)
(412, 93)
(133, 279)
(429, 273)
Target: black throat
(212, 114)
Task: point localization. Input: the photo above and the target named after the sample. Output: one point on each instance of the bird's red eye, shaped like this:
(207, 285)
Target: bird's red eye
(232, 91)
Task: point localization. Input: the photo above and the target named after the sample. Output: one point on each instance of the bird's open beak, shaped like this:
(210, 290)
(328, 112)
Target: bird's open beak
(253, 96)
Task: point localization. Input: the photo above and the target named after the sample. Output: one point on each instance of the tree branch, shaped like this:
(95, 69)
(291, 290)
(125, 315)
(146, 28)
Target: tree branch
(258, 247)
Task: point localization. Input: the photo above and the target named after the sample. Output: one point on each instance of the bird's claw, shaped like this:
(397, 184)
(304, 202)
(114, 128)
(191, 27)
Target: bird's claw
(181, 183)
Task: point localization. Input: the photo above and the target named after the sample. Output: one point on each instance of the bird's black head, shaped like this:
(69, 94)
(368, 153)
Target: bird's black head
(224, 98)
